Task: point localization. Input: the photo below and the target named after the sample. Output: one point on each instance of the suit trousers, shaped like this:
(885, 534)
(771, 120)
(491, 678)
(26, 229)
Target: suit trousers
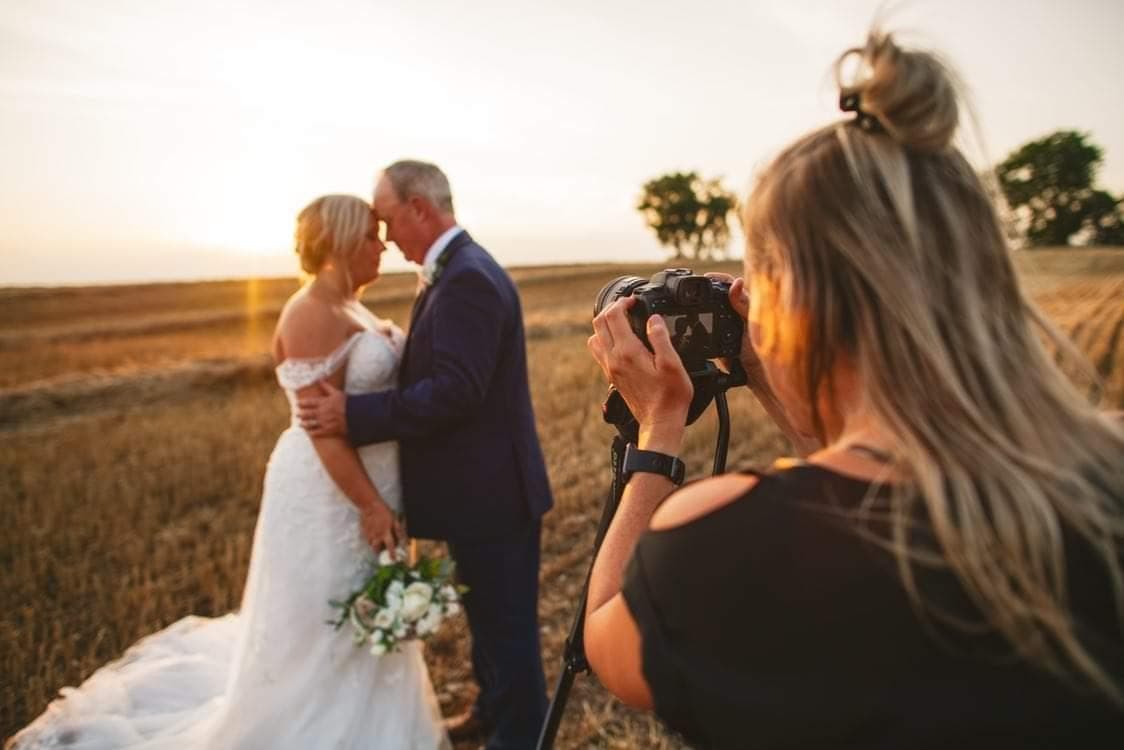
(502, 609)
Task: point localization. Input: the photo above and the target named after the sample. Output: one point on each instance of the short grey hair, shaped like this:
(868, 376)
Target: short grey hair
(420, 179)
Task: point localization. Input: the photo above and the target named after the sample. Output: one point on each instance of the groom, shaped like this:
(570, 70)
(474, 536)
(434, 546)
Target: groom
(472, 469)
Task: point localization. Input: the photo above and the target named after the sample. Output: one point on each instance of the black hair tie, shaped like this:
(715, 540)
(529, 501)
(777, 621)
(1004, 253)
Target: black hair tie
(866, 121)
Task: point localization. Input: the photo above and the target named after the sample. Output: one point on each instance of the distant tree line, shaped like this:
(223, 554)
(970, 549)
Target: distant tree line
(1048, 185)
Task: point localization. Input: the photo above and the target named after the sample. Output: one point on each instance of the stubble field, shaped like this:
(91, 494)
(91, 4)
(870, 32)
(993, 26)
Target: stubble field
(136, 421)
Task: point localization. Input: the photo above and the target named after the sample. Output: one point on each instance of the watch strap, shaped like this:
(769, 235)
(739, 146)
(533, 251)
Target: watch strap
(652, 462)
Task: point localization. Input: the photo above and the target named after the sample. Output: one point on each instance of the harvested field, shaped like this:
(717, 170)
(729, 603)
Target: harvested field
(135, 423)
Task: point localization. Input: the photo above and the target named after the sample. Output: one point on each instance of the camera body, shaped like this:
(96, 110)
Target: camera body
(696, 310)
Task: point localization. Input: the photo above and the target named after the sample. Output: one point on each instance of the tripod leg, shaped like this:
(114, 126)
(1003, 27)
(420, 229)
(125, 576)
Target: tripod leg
(554, 716)
(573, 658)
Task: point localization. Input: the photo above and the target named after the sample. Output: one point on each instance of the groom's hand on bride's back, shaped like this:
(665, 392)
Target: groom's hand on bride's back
(324, 414)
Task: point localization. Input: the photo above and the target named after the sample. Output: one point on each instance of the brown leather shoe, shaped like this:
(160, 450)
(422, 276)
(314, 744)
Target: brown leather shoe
(466, 726)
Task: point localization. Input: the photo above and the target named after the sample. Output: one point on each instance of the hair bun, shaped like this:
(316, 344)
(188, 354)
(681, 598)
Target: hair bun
(313, 244)
(912, 94)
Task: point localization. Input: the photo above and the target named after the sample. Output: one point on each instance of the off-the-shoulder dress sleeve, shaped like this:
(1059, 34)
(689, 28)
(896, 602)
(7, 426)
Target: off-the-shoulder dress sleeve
(297, 372)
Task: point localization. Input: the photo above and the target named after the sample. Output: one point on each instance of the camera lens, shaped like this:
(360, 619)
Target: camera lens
(622, 286)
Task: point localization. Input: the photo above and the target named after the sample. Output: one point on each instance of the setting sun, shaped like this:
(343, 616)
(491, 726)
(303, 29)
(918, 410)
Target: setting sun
(257, 228)
(153, 141)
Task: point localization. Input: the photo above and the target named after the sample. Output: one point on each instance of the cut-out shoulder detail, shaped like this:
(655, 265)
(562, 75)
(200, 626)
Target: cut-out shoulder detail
(701, 498)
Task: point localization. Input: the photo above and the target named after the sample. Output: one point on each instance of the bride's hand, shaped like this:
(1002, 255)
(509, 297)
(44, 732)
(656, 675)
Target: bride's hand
(380, 528)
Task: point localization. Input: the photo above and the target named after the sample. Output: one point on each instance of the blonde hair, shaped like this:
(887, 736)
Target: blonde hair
(332, 226)
(882, 242)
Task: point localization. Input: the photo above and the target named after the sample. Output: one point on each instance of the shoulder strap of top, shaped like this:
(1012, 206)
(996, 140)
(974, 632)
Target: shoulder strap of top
(299, 372)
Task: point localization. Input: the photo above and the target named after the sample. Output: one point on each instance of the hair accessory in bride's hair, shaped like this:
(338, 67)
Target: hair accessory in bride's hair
(865, 120)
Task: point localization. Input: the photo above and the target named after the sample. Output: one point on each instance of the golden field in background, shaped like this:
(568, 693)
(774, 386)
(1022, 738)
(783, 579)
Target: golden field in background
(135, 424)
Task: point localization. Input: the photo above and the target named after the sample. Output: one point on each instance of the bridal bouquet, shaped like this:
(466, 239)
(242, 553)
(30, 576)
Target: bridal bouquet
(400, 602)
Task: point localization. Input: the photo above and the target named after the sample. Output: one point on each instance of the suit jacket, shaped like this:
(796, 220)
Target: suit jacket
(472, 467)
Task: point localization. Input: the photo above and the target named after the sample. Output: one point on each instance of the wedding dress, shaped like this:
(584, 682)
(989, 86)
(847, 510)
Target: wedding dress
(273, 675)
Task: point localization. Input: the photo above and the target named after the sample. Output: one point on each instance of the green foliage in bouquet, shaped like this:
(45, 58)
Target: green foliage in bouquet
(400, 602)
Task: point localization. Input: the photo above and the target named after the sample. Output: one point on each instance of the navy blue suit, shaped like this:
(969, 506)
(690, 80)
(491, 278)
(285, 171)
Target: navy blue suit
(473, 472)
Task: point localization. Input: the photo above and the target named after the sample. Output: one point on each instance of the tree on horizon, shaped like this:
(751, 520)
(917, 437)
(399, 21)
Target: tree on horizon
(1048, 184)
(688, 214)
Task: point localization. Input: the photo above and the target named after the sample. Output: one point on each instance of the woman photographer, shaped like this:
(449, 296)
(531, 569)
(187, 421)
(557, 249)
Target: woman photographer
(944, 567)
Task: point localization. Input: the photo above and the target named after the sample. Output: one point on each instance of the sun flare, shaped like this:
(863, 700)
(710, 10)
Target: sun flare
(250, 228)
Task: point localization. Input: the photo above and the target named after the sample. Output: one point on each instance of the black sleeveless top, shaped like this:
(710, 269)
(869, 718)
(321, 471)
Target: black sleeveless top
(770, 623)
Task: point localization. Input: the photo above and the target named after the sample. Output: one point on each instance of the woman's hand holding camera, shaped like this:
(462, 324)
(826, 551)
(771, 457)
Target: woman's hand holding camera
(654, 383)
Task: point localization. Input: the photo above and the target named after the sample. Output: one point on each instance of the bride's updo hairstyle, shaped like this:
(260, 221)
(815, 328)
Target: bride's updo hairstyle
(875, 242)
(332, 226)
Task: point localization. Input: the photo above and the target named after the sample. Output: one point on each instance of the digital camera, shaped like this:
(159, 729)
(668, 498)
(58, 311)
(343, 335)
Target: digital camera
(696, 309)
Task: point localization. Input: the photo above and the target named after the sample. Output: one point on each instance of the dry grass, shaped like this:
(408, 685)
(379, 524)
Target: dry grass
(135, 424)
(52, 336)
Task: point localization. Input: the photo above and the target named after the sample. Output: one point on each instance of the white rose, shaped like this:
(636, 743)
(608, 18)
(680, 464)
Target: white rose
(400, 631)
(430, 622)
(452, 608)
(416, 600)
(384, 619)
(378, 647)
(385, 558)
(448, 593)
(394, 597)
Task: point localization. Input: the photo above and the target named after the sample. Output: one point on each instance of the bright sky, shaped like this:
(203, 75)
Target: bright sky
(162, 139)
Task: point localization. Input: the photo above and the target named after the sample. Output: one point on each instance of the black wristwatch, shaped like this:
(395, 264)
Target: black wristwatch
(652, 462)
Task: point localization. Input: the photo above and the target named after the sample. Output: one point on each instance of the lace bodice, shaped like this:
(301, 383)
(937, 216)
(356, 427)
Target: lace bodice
(371, 358)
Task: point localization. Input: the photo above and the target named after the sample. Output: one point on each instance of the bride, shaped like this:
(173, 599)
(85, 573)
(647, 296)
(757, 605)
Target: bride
(274, 675)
